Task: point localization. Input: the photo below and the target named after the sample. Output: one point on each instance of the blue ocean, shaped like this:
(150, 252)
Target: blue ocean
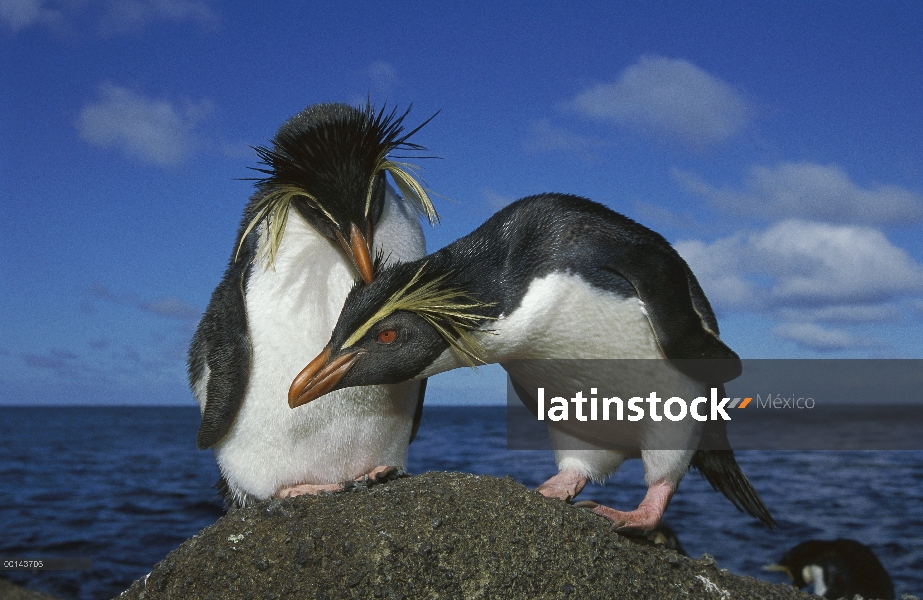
(126, 485)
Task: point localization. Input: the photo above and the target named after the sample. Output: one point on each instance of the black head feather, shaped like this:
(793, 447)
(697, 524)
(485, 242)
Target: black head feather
(848, 568)
(329, 162)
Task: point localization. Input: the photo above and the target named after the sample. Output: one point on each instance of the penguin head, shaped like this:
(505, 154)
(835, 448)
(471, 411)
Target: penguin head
(392, 329)
(663, 535)
(328, 163)
(835, 568)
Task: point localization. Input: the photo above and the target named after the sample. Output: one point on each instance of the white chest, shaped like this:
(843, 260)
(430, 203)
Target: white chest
(292, 308)
(561, 317)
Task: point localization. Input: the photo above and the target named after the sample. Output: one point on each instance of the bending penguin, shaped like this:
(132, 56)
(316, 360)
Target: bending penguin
(321, 213)
(555, 277)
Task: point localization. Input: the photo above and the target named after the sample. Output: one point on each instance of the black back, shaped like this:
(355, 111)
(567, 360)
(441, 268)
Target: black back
(539, 235)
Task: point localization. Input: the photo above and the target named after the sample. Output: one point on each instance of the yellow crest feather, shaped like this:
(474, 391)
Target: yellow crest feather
(447, 309)
(273, 208)
(405, 177)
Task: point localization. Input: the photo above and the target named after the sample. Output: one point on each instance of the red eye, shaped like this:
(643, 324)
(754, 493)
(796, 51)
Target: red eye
(387, 336)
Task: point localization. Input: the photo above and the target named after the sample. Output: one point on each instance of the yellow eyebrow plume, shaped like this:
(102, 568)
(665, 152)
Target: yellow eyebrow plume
(448, 309)
(410, 188)
(274, 207)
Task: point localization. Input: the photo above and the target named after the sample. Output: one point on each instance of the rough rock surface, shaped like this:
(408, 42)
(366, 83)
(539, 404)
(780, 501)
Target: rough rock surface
(438, 535)
(11, 591)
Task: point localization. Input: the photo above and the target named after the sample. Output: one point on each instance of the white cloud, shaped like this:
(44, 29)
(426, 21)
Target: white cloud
(809, 191)
(155, 131)
(816, 337)
(720, 268)
(495, 200)
(545, 137)
(383, 75)
(658, 216)
(126, 15)
(111, 16)
(168, 306)
(64, 365)
(822, 262)
(828, 286)
(803, 264)
(19, 14)
(672, 97)
(859, 313)
(172, 307)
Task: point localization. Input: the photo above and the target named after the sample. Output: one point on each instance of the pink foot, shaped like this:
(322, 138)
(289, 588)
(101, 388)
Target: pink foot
(376, 475)
(563, 486)
(308, 489)
(644, 518)
(379, 474)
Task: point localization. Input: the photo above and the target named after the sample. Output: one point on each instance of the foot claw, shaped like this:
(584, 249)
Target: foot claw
(377, 475)
(644, 518)
(383, 474)
(632, 521)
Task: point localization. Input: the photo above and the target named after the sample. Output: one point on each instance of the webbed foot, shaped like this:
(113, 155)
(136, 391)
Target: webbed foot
(563, 486)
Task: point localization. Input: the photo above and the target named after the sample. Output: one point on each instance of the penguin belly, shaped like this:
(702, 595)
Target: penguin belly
(291, 309)
(562, 316)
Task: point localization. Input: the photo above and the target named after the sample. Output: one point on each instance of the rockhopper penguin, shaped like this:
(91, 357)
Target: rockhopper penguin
(321, 213)
(550, 277)
(840, 568)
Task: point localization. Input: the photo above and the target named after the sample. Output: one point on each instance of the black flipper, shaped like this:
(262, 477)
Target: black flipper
(673, 301)
(687, 332)
(418, 412)
(222, 342)
(525, 397)
(718, 466)
(224, 490)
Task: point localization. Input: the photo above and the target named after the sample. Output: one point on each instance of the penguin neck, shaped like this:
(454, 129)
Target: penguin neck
(490, 352)
(475, 264)
(496, 341)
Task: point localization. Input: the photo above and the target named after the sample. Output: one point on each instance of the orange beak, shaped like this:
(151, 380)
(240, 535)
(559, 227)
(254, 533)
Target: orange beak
(319, 377)
(358, 249)
(362, 256)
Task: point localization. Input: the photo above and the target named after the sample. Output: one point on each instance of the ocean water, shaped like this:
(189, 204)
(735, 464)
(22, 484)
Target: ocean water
(125, 486)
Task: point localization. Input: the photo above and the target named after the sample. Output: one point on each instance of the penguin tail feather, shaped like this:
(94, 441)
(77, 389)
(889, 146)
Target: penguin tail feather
(720, 469)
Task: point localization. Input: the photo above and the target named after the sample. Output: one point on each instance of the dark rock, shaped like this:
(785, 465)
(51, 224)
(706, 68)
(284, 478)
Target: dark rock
(494, 539)
(11, 591)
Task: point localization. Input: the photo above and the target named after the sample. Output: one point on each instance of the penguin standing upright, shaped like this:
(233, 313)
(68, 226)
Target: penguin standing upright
(313, 225)
(554, 277)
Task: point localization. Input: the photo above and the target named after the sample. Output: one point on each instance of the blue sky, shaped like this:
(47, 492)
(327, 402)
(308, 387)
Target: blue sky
(777, 145)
